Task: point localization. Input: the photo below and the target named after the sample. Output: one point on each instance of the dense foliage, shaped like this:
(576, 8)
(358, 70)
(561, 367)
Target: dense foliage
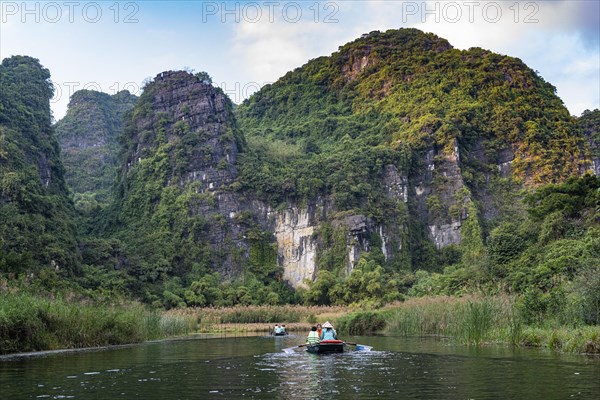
(385, 97)
(549, 257)
(175, 244)
(36, 215)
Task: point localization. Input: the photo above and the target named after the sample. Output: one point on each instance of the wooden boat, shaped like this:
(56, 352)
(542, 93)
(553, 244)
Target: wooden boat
(326, 346)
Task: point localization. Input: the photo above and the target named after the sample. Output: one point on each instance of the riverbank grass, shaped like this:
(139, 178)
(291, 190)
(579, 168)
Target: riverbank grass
(472, 321)
(31, 323)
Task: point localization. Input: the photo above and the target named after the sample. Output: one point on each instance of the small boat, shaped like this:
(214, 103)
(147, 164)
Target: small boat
(280, 334)
(326, 346)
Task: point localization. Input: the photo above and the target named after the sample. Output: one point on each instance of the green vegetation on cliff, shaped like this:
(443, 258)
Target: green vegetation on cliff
(387, 96)
(468, 129)
(182, 236)
(548, 258)
(451, 122)
(37, 226)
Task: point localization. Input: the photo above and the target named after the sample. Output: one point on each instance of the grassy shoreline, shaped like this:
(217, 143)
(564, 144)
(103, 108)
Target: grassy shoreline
(32, 323)
(474, 321)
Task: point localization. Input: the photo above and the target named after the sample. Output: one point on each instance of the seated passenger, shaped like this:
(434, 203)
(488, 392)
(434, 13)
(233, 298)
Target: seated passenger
(313, 336)
(328, 332)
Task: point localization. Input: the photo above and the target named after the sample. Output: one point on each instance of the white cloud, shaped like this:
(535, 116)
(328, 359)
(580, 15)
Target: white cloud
(268, 49)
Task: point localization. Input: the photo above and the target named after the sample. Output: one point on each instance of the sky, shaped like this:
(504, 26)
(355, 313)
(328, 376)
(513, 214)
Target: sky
(115, 45)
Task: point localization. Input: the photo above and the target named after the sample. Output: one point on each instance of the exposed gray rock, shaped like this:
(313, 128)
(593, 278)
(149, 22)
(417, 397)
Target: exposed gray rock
(296, 246)
(396, 185)
(445, 235)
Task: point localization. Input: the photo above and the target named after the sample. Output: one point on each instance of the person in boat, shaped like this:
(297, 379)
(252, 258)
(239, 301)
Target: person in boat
(328, 332)
(313, 336)
(319, 329)
(277, 329)
(283, 329)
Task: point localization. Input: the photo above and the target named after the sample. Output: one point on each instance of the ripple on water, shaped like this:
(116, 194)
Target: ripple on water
(306, 375)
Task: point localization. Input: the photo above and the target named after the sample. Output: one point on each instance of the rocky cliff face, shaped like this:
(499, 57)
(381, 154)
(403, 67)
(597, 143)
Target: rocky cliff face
(195, 118)
(181, 149)
(589, 123)
(296, 244)
(302, 242)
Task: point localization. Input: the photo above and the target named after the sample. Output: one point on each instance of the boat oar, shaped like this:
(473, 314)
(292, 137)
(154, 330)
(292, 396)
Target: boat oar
(360, 346)
(291, 349)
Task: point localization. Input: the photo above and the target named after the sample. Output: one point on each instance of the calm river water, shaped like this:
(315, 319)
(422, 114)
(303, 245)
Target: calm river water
(256, 367)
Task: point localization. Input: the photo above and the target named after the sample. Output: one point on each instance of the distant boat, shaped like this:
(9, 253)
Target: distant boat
(280, 334)
(326, 346)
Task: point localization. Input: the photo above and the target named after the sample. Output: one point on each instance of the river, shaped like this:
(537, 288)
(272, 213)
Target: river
(256, 367)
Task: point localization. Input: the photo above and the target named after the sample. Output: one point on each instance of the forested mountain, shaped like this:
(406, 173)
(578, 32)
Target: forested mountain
(37, 227)
(405, 131)
(175, 210)
(88, 137)
(396, 166)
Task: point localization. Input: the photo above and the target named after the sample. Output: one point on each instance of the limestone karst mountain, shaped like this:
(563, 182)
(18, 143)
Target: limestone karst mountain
(37, 226)
(396, 153)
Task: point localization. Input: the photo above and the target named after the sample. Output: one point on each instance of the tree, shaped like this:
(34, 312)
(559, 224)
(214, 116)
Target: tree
(204, 77)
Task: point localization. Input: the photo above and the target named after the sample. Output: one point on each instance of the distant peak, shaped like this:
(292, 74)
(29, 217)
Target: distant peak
(178, 77)
(403, 38)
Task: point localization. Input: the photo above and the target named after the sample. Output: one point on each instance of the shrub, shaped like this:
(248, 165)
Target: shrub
(360, 323)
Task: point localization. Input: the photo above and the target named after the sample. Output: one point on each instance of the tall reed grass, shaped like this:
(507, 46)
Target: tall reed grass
(31, 323)
(471, 320)
(478, 320)
(360, 323)
(475, 321)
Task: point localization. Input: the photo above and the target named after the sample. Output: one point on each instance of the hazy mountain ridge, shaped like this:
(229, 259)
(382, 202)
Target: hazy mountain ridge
(88, 136)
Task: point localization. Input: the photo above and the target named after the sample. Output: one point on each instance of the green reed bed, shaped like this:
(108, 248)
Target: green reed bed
(584, 339)
(480, 320)
(31, 323)
(475, 321)
(262, 314)
(360, 323)
(425, 316)
(470, 320)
